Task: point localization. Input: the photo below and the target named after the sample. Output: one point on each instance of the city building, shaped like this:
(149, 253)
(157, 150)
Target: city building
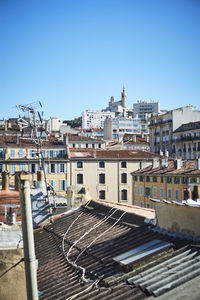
(144, 109)
(164, 180)
(79, 141)
(161, 127)
(95, 118)
(106, 174)
(131, 142)
(118, 106)
(115, 128)
(186, 141)
(19, 154)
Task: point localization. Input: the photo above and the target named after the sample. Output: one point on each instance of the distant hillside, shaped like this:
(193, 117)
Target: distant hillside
(77, 122)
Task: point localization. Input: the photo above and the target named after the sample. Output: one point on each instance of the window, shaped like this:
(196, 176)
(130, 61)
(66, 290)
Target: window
(12, 153)
(177, 195)
(161, 192)
(124, 194)
(147, 179)
(141, 178)
(79, 164)
(62, 168)
(53, 184)
(79, 178)
(23, 167)
(141, 190)
(135, 189)
(12, 168)
(99, 145)
(1, 153)
(141, 204)
(147, 205)
(154, 191)
(32, 168)
(135, 202)
(63, 185)
(102, 178)
(176, 180)
(123, 178)
(154, 179)
(147, 192)
(52, 168)
(169, 179)
(161, 179)
(20, 153)
(101, 164)
(169, 194)
(123, 164)
(32, 153)
(135, 178)
(102, 194)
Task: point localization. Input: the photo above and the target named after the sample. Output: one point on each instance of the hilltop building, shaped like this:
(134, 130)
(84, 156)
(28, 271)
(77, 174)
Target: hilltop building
(95, 118)
(118, 106)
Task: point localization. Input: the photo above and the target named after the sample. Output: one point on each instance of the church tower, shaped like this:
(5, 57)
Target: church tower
(124, 97)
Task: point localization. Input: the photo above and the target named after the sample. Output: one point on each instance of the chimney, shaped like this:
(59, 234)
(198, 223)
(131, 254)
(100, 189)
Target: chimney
(5, 180)
(134, 138)
(95, 154)
(163, 163)
(155, 163)
(197, 163)
(196, 192)
(40, 180)
(147, 138)
(16, 181)
(187, 193)
(178, 163)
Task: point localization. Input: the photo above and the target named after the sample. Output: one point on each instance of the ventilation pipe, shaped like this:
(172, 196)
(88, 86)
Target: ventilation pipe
(28, 240)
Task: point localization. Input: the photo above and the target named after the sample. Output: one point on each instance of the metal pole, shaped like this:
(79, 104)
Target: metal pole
(28, 240)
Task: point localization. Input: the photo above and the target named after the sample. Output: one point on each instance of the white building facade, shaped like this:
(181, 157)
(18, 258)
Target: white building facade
(144, 109)
(95, 118)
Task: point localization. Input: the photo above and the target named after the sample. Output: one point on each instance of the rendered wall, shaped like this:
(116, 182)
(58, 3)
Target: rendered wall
(12, 275)
(179, 218)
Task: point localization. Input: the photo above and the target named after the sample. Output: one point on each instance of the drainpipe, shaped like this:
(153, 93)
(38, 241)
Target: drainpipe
(27, 230)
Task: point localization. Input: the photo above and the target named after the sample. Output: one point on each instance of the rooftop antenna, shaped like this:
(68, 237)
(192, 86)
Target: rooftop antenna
(34, 121)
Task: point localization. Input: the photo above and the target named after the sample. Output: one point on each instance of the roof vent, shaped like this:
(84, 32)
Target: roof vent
(197, 164)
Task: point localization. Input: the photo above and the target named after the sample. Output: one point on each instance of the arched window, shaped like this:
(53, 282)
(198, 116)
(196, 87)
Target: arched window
(123, 178)
(124, 194)
(79, 178)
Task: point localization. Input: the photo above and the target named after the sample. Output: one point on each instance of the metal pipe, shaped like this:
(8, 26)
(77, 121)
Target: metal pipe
(28, 240)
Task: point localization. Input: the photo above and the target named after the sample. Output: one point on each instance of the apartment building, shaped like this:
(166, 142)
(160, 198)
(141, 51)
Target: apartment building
(161, 127)
(115, 128)
(95, 118)
(144, 109)
(106, 174)
(18, 154)
(186, 141)
(164, 180)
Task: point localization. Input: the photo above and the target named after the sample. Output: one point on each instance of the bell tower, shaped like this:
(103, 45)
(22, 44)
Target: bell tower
(124, 97)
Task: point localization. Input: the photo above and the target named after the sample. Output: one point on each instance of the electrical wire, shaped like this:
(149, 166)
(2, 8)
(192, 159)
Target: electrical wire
(86, 290)
(99, 237)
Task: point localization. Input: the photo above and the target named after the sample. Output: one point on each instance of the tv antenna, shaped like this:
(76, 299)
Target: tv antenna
(33, 120)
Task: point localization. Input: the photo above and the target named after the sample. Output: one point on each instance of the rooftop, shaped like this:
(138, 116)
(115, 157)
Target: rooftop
(113, 154)
(82, 255)
(187, 168)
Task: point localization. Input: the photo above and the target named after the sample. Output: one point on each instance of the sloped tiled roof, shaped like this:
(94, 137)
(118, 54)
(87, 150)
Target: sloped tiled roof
(58, 279)
(187, 168)
(116, 154)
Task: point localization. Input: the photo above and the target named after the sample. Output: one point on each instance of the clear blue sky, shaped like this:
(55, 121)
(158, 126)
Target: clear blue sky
(74, 55)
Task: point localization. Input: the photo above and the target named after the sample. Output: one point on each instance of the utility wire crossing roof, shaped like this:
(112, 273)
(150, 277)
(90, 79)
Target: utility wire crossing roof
(95, 239)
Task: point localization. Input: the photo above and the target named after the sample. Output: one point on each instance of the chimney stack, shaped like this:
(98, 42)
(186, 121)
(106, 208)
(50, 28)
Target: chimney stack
(5, 180)
(178, 163)
(197, 163)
